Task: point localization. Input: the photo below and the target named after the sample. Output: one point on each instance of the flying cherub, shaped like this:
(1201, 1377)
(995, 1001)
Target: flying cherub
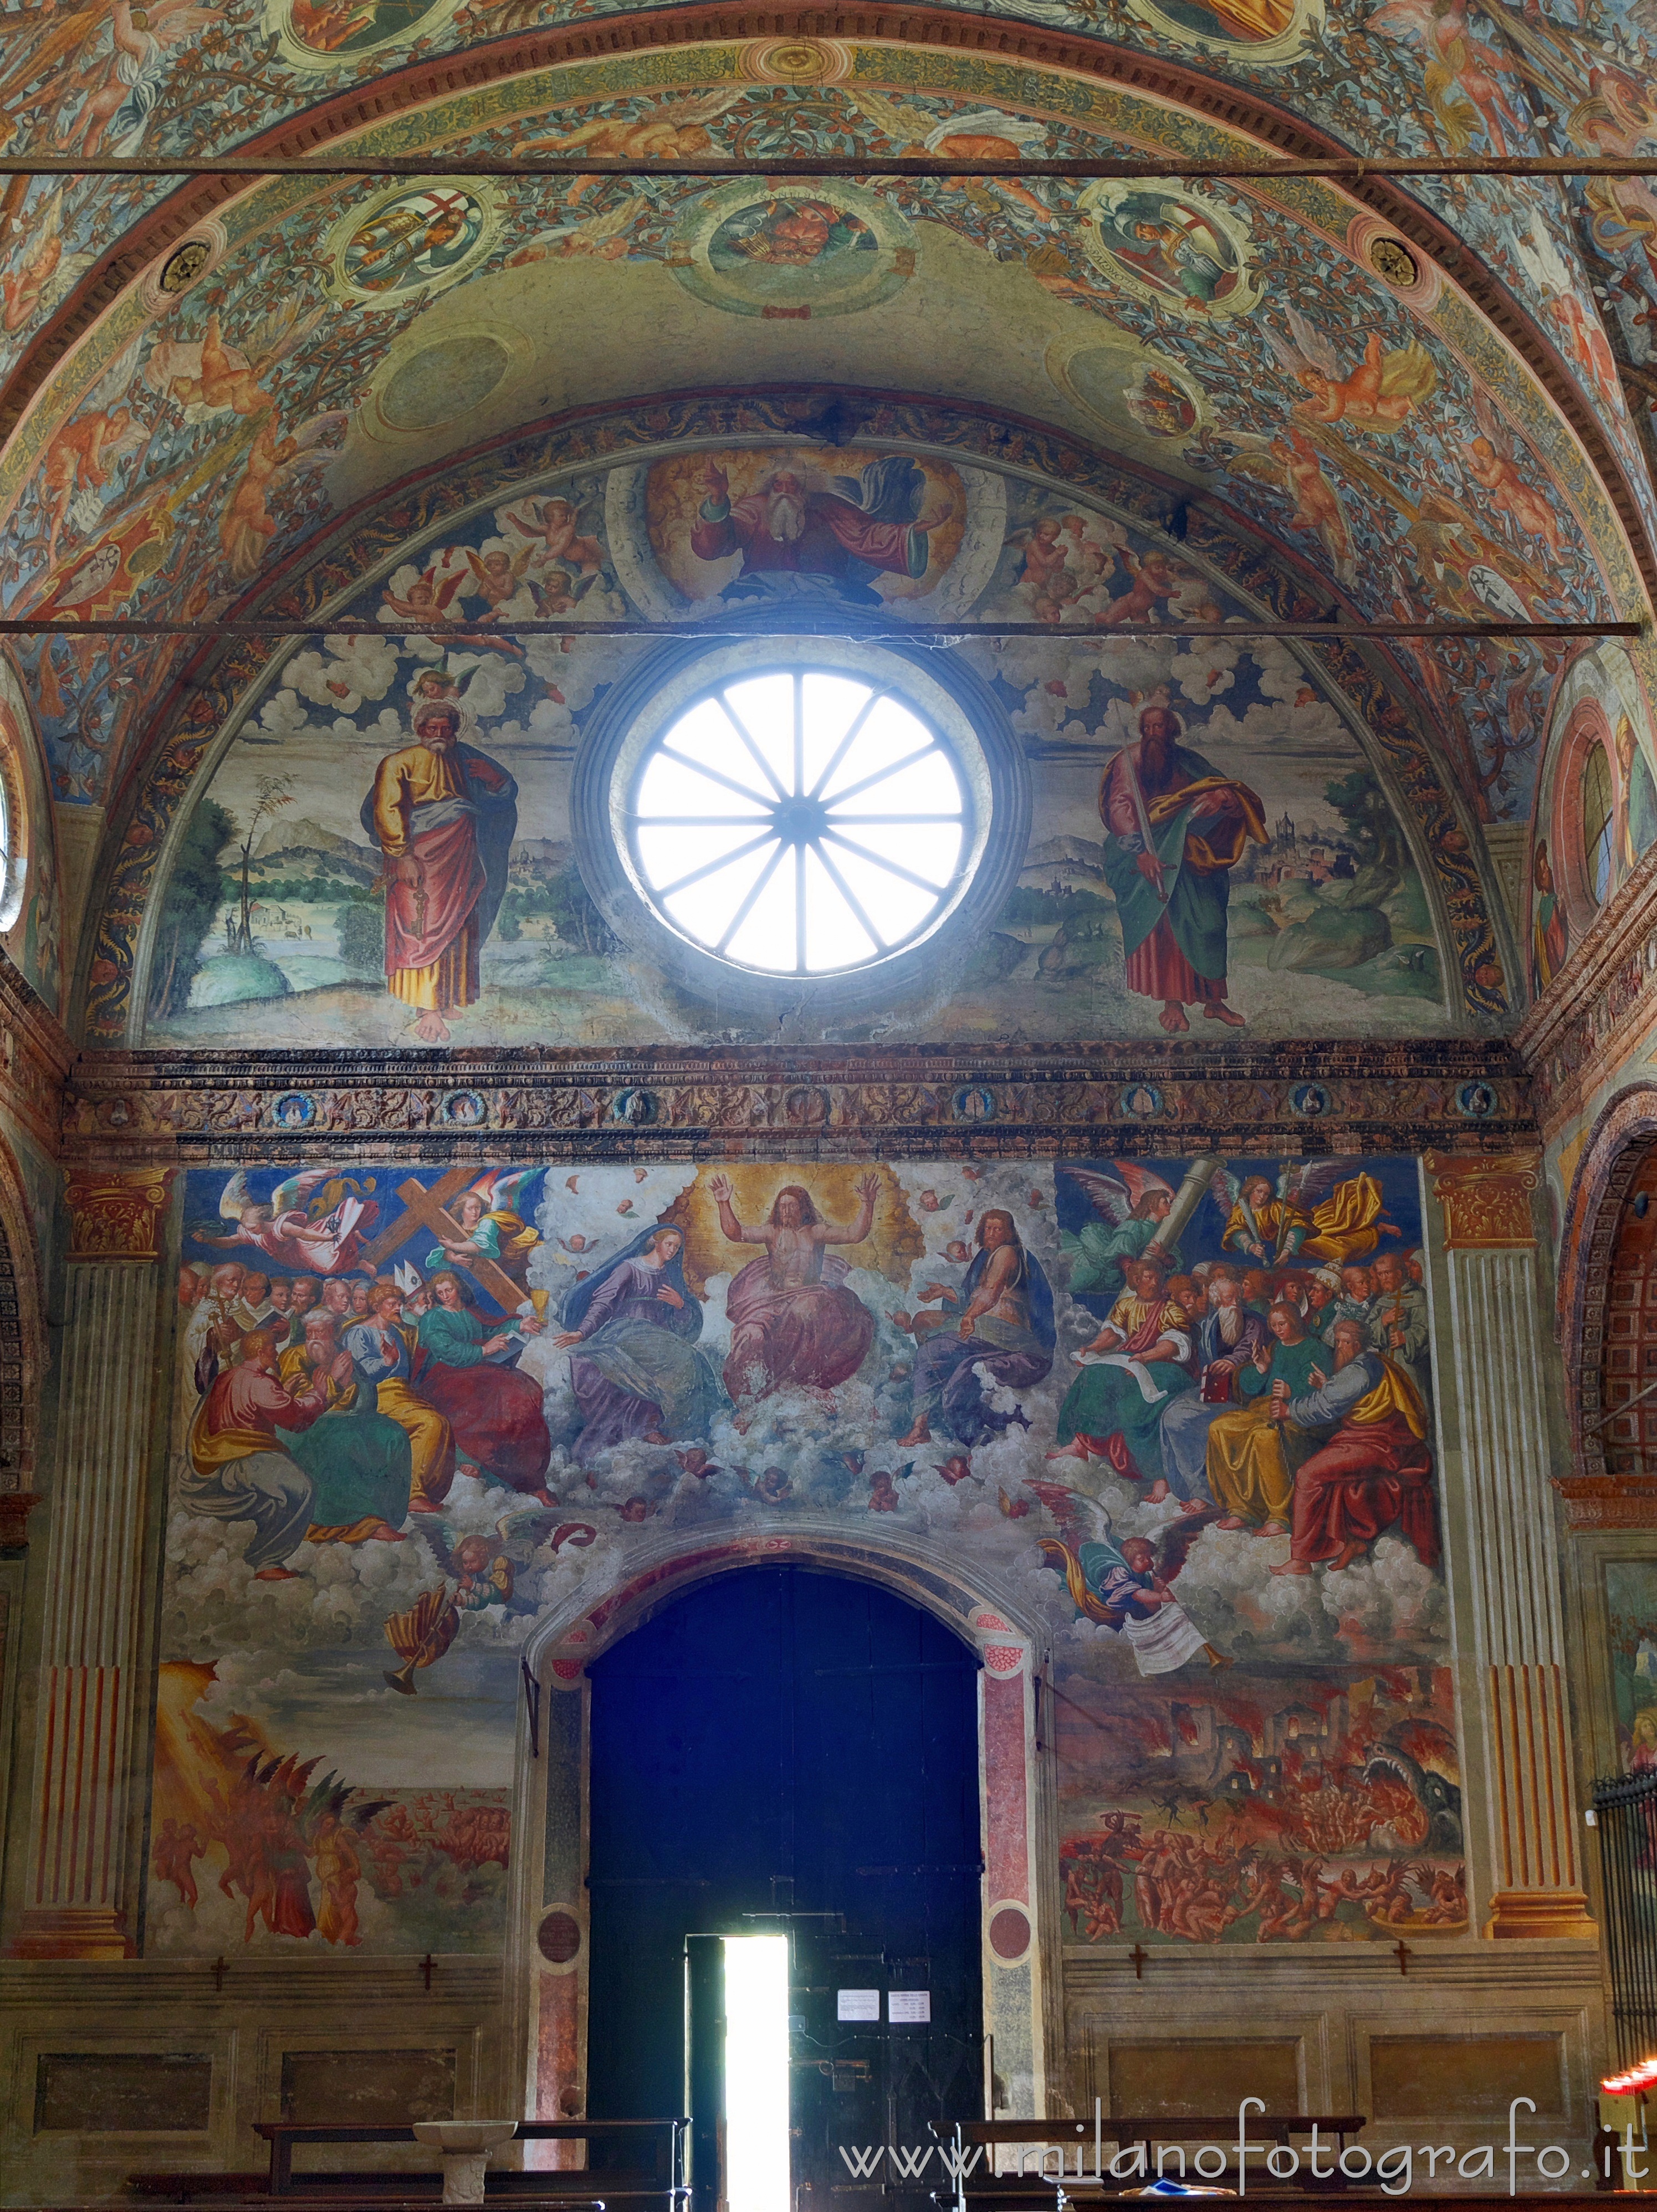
(1492, 463)
(207, 375)
(982, 134)
(674, 130)
(1291, 463)
(1377, 396)
(496, 573)
(314, 1222)
(46, 275)
(86, 452)
(601, 236)
(1125, 1585)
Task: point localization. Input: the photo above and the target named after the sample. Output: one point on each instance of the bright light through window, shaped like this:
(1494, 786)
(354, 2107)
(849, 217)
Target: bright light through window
(800, 821)
(757, 2072)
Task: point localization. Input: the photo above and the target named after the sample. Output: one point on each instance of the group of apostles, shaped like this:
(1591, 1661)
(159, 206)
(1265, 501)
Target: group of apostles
(1288, 1401)
(330, 1408)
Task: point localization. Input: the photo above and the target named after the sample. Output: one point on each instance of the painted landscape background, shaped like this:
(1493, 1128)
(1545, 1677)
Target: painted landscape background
(272, 918)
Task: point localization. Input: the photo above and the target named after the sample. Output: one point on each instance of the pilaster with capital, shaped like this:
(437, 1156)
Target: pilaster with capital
(83, 1879)
(1498, 1415)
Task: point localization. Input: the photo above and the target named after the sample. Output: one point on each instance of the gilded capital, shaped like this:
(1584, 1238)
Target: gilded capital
(1486, 1198)
(116, 1214)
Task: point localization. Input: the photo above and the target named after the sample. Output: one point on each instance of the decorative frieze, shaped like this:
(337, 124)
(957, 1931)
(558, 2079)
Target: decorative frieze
(1471, 1094)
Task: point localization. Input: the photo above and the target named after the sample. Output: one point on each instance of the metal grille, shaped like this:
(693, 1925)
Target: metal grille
(1625, 1811)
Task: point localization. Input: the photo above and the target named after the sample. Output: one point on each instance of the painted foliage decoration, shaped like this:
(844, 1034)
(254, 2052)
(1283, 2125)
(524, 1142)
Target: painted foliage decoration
(1181, 1410)
(1376, 426)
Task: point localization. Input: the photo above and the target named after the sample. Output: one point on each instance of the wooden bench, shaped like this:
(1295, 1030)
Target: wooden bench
(654, 2177)
(988, 2190)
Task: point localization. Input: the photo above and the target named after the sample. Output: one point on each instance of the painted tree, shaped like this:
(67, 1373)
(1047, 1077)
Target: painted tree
(273, 794)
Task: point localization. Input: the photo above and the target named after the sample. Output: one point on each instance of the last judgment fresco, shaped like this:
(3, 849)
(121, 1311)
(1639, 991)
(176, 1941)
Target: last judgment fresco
(1179, 1410)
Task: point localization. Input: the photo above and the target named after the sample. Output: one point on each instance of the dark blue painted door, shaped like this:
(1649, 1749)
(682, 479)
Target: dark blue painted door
(788, 1750)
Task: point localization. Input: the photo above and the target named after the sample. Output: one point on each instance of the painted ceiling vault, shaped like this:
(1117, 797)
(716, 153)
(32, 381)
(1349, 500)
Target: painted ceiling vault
(1121, 403)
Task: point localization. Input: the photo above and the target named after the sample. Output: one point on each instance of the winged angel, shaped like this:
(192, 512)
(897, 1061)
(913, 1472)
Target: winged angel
(45, 274)
(1125, 1585)
(1131, 1202)
(1315, 1210)
(984, 134)
(314, 1222)
(483, 1571)
(1291, 462)
(1377, 396)
(54, 54)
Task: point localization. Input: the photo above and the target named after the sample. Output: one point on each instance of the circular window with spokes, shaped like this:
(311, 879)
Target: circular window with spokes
(791, 820)
(799, 821)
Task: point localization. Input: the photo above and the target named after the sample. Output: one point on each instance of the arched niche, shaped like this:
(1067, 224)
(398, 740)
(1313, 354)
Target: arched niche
(1600, 1311)
(547, 1956)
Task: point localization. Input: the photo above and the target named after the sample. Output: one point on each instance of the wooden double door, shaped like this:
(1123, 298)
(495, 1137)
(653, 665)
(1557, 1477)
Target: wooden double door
(792, 1751)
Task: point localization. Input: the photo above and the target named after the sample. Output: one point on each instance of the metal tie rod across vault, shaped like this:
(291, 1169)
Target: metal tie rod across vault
(924, 633)
(1348, 169)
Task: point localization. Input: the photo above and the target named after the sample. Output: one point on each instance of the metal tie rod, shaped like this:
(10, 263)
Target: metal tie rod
(1351, 168)
(930, 633)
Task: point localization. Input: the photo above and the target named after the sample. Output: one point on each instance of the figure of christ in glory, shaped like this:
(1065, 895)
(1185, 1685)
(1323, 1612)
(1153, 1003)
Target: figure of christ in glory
(1175, 830)
(444, 816)
(792, 1319)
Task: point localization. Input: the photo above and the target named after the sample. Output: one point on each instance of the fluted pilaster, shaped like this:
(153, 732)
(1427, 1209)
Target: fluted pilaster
(1497, 1330)
(82, 1884)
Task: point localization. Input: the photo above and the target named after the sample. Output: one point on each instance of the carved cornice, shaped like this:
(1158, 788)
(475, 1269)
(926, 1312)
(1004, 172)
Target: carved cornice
(1464, 1096)
(1582, 1028)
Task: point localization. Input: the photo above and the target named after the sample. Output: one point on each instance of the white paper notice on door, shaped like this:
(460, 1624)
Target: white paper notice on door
(909, 2007)
(857, 2004)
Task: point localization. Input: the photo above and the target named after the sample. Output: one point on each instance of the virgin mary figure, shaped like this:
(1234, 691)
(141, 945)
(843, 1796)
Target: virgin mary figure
(637, 1373)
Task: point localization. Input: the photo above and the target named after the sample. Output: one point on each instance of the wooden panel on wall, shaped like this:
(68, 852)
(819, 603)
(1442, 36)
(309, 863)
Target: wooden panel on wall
(1190, 2080)
(367, 2088)
(122, 2093)
(1413, 2077)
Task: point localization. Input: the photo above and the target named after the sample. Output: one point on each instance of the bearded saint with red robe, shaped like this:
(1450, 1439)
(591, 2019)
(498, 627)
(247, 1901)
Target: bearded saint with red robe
(444, 816)
(1374, 1472)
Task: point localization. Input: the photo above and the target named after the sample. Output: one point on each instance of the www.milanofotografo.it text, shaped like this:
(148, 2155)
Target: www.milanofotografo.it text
(1395, 2168)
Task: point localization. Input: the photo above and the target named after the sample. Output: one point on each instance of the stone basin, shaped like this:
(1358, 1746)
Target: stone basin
(465, 2145)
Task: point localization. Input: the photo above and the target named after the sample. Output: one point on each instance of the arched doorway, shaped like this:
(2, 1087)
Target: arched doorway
(792, 1751)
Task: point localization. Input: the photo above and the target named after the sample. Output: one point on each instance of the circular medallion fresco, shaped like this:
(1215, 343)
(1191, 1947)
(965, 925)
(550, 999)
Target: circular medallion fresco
(444, 381)
(1253, 30)
(828, 249)
(413, 239)
(1145, 398)
(323, 33)
(1171, 245)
